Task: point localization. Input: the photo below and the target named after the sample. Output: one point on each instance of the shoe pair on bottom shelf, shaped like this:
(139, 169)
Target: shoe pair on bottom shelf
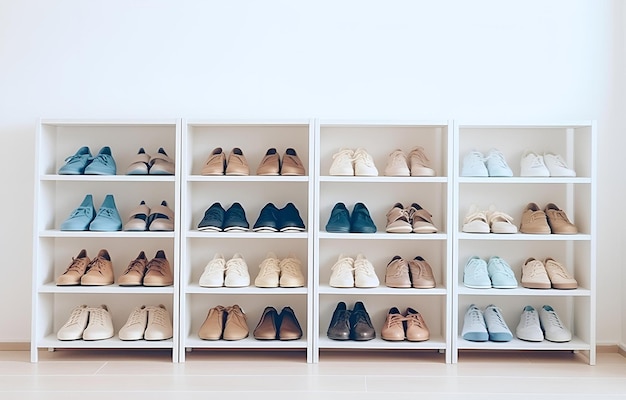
(416, 273)
(148, 323)
(348, 272)
(480, 326)
(352, 324)
(228, 323)
(410, 326)
(87, 323)
(82, 162)
(275, 326)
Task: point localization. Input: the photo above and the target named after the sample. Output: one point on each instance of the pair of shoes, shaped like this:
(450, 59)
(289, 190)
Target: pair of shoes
(142, 218)
(535, 326)
(148, 323)
(140, 271)
(479, 274)
(87, 323)
(83, 271)
(271, 164)
(216, 164)
(416, 273)
(475, 164)
(231, 273)
(144, 164)
(340, 220)
(284, 273)
(273, 326)
(228, 323)
(551, 220)
(410, 326)
(546, 275)
(217, 219)
(352, 324)
(491, 220)
(543, 165)
(480, 326)
(349, 272)
(274, 219)
(348, 162)
(416, 164)
(84, 217)
(82, 162)
(406, 220)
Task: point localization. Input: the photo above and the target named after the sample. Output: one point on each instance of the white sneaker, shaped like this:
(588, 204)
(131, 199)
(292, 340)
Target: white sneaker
(100, 325)
(342, 275)
(475, 221)
(343, 163)
(75, 325)
(364, 273)
(474, 327)
(159, 326)
(397, 164)
(269, 272)
(291, 272)
(553, 328)
(496, 326)
(474, 164)
(532, 164)
(237, 272)
(557, 166)
(419, 163)
(135, 326)
(213, 275)
(364, 163)
(529, 328)
(496, 164)
(499, 222)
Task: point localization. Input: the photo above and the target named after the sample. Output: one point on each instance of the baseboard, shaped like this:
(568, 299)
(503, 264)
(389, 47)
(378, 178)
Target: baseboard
(621, 349)
(14, 346)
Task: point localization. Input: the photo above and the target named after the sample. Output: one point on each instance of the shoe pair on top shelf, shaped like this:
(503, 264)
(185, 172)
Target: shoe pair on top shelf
(410, 326)
(144, 218)
(352, 324)
(406, 220)
(87, 323)
(486, 221)
(550, 220)
(416, 273)
(147, 323)
(275, 326)
(83, 163)
(475, 164)
(348, 162)
(158, 164)
(271, 219)
(348, 272)
(85, 218)
(478, 274)
(217, 163)
(415, 164)
(546, 275)
(544, 165)
(340, 220)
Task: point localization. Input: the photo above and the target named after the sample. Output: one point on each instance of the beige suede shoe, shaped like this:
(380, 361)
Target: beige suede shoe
(393, 328)
(237, 163)
(292, 166)
(215, 164)
(158, 271)
(236, 327)
(213, 325)
(133, 276)
(270, 164)
(557, 219)
(416, 328)
(75, 271)
(534, 220)
(397, 274)
(99, 271)
(559, 276)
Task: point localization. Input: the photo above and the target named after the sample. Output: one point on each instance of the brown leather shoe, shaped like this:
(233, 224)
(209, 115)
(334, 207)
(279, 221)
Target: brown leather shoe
(416, 329)
(237, 163)
(158, 271)
(236, 327)
(75, 271)
(534, 220)
(267, 328)
(270, 164)
(133, 276)
(213, 325)
(215, 164)
(557, 219)
(291, 163)
(99, 271)
(421, 274)
(289, 327)
(397, 274)
(393, 329)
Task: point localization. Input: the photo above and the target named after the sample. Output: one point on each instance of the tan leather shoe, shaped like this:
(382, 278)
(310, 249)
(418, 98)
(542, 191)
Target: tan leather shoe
(215, 164)
(421, 274)
(133, 276)
(289, 326)
(99, 271)
(161, 164)
(557, 219)
(158, 271)
(534, 220)
(398, 220)
(393, 329)
(292, 164)
(75, 270)
(416, 328)
(534, 275)
(559, 276)
(267, 328)
(138, 219)
(161, 218)
(237, 163)
(236, 327)
(270, 164)
(213, 325)
(397, 274)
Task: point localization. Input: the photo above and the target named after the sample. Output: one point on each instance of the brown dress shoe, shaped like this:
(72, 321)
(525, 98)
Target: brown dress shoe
(215, 164)
(397, 274)
(289, 327)
(270, 164)
(534, 220)
(267, 328)
(416, 329)
(237, 163)
(393, 329)
(99, 271)
(75, 271)
(291, 163)
(158, 271)
(213, 325)
(421, 273)
(133, 276)
(236, 327)
(557, 219)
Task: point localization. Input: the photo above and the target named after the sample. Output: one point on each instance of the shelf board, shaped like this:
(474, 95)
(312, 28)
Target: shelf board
(384, 236)
(434, 343)
(247, 343)
(524, 179)
(107, 289)
(382, 290)
(109, 178)
(247, 178)
(522, 291)
(384, 179)
(113, 234)
(252, 290)
(246, 235)
(51, 341)
(517, 344)
(522, 236)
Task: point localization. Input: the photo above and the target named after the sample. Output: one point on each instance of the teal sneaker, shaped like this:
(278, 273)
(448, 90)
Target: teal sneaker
(107, 219)
(339, 221)
(475, 274)
(501, 274)
(75, 165)
(81, 217)
(360, 221)
(102, 164)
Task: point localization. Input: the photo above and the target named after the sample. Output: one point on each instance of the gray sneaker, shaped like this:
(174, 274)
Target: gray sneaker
(497, 327)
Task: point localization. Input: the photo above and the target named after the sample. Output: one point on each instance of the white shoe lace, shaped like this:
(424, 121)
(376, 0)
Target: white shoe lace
(397, 159)
(536, 268)
(362, 266)
(158, 316)
(418, 153)
(269, 266)
(237, 266)
(342, 268)
(498, 157)
(291, 266)
(554, 320)
(97, 315)
(475, 316)
(215, 266)
(536, 161)
(360, 155)
(476, 268)
(557, 269)
(344, 155)
(558, 160)
(75, 316)
(136, 317)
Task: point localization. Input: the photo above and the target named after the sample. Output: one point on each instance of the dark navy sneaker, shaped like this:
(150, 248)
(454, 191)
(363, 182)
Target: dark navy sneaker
(102, 164)
(235, 219)
(339, 221)
(289, 219)
(361, 222)
(108, 218)
(75, 165)
(213, 218)
(81, 217)
(268, 219)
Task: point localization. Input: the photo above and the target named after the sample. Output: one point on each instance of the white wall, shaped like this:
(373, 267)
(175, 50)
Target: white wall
(519, 60)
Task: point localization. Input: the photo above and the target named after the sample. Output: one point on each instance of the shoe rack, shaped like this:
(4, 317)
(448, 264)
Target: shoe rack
(576, 143)
(379, 194)
(199, 192)
(55, 198)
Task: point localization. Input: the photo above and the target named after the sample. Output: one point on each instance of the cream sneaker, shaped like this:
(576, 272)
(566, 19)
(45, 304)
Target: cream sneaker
(364, 273)
(559, 276)
(75, 325)
(236, 272)
(342, 272)
(397, 164)
(534, 275)
(100, 325)
(269, 272)
(343, 163)
(364, 163)
(159, 326)
(475, 221)
(500, 222)
(213, 275)
(135, 326)
(291, 272)
(419, 163)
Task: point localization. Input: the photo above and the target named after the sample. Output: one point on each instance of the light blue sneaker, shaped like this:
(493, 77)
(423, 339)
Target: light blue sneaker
(107, 219)
(496, 164)
(496, 325)
(474, 164)
(475, 274)
(75, 165)
(102, 164)
(501, 274)
(474, 327)
(81, 217)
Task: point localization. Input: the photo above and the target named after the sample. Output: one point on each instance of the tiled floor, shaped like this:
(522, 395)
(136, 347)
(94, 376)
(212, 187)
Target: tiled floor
(285, 375)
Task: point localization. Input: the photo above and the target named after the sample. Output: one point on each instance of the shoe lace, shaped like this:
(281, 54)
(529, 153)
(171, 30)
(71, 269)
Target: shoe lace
(344, 153)
(158, 316)
(554, 320)
(498, 157)
(75, 158)
(136, 265)
(398, 158)
(74, 316)
(75, 266)
(529, 318)
(418, 153)
(537, 162)
(361, 155)
(269, 266)
(395, 320)
(106, 212)
(237, 266)
(559, 160)
(80, 212)
(399, 270)
(363, 267)
(475, 316)
(557, 269)
(477, 268)
(157, 266)
(343, 267)
(499, 320)
(414, 319)
(536, 269)
(96, 265)
(135, 317)
(215, 266)
(290, 266)
(102, 158)
(475, 157)
(96, 316)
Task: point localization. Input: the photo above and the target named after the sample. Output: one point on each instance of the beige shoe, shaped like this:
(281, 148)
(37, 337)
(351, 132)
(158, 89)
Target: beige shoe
(138, 219)
(421, 274)
(215, 164)
(397, 274)
(559, 276)
(75, 271)
(159, 326)
(534, 275)
(419, 163)
(158, 271)
(213, 326)
(291, 272)
(135, 325)
(161, 164)
(421, 220)
(397, 164)
(292, 166)
(74, 327)
(237, 163)
(364, 273)
(140, 163)
(270, 164)
(416, 328)
(558, 220)
(343, 163)
(475, 221)
(500, 222)
(161, 218)
(133, 276)
(236, 326)
(398, 220)
(393, 329)
(534, 220)
(99, 271)
(100, 324)
(269, 272)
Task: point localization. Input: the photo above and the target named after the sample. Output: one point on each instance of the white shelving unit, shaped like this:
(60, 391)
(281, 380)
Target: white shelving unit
(55, 198)
(576, 142)
(253, 192)
(379, 194)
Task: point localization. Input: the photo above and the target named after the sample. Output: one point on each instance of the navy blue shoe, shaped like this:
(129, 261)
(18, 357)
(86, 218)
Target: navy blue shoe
(81, 217)
(339, 221)
(213, 219)
(268, 219)
(289, 219)
(75, 165)
(102, 164)
(107, 219)
(361, 222)
(235, 219)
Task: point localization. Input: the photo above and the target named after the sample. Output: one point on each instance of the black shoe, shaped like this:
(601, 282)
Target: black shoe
(339, 221)
(339, 328)
(361, 327)
(213, 218)
(361, 222)
(289, 219)
(235, 219)
(268, 219)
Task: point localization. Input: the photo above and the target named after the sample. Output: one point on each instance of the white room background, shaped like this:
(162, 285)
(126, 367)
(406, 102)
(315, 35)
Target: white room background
(484, 60)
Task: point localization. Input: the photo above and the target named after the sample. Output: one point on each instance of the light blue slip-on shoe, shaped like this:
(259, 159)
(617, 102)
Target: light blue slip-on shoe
(501, 274)
(107, 219)
(81, 217)
(496, 164)
(475, 274)
(75, 165)
(102, 164)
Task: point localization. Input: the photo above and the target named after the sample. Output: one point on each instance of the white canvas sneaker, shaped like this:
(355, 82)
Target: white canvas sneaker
(474, 327)
(529, 328)
(496, 326)
(135, 326)
(557, 166)
(291, 272)
(269, 272)
(364, 163)
(397, 164)
(532, 164)
(100, 325)
(213, 275)
(553, 329)
(236, 272)
(419, 163)
(159, 326)
(364, 273)
(342, 275)
(343, 163)
(75, 325)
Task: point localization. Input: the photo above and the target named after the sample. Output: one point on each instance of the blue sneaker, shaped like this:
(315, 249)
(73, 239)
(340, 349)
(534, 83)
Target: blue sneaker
(81, 217)
(213, 219)
(474, 326)
(475, 274)
(361, 222)
(75, 165)
(501, 274)
(496, 325)
(268, 219)
(102, 164)
(107, 219)
(235, 219)
(289, 219)
(339, 221)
